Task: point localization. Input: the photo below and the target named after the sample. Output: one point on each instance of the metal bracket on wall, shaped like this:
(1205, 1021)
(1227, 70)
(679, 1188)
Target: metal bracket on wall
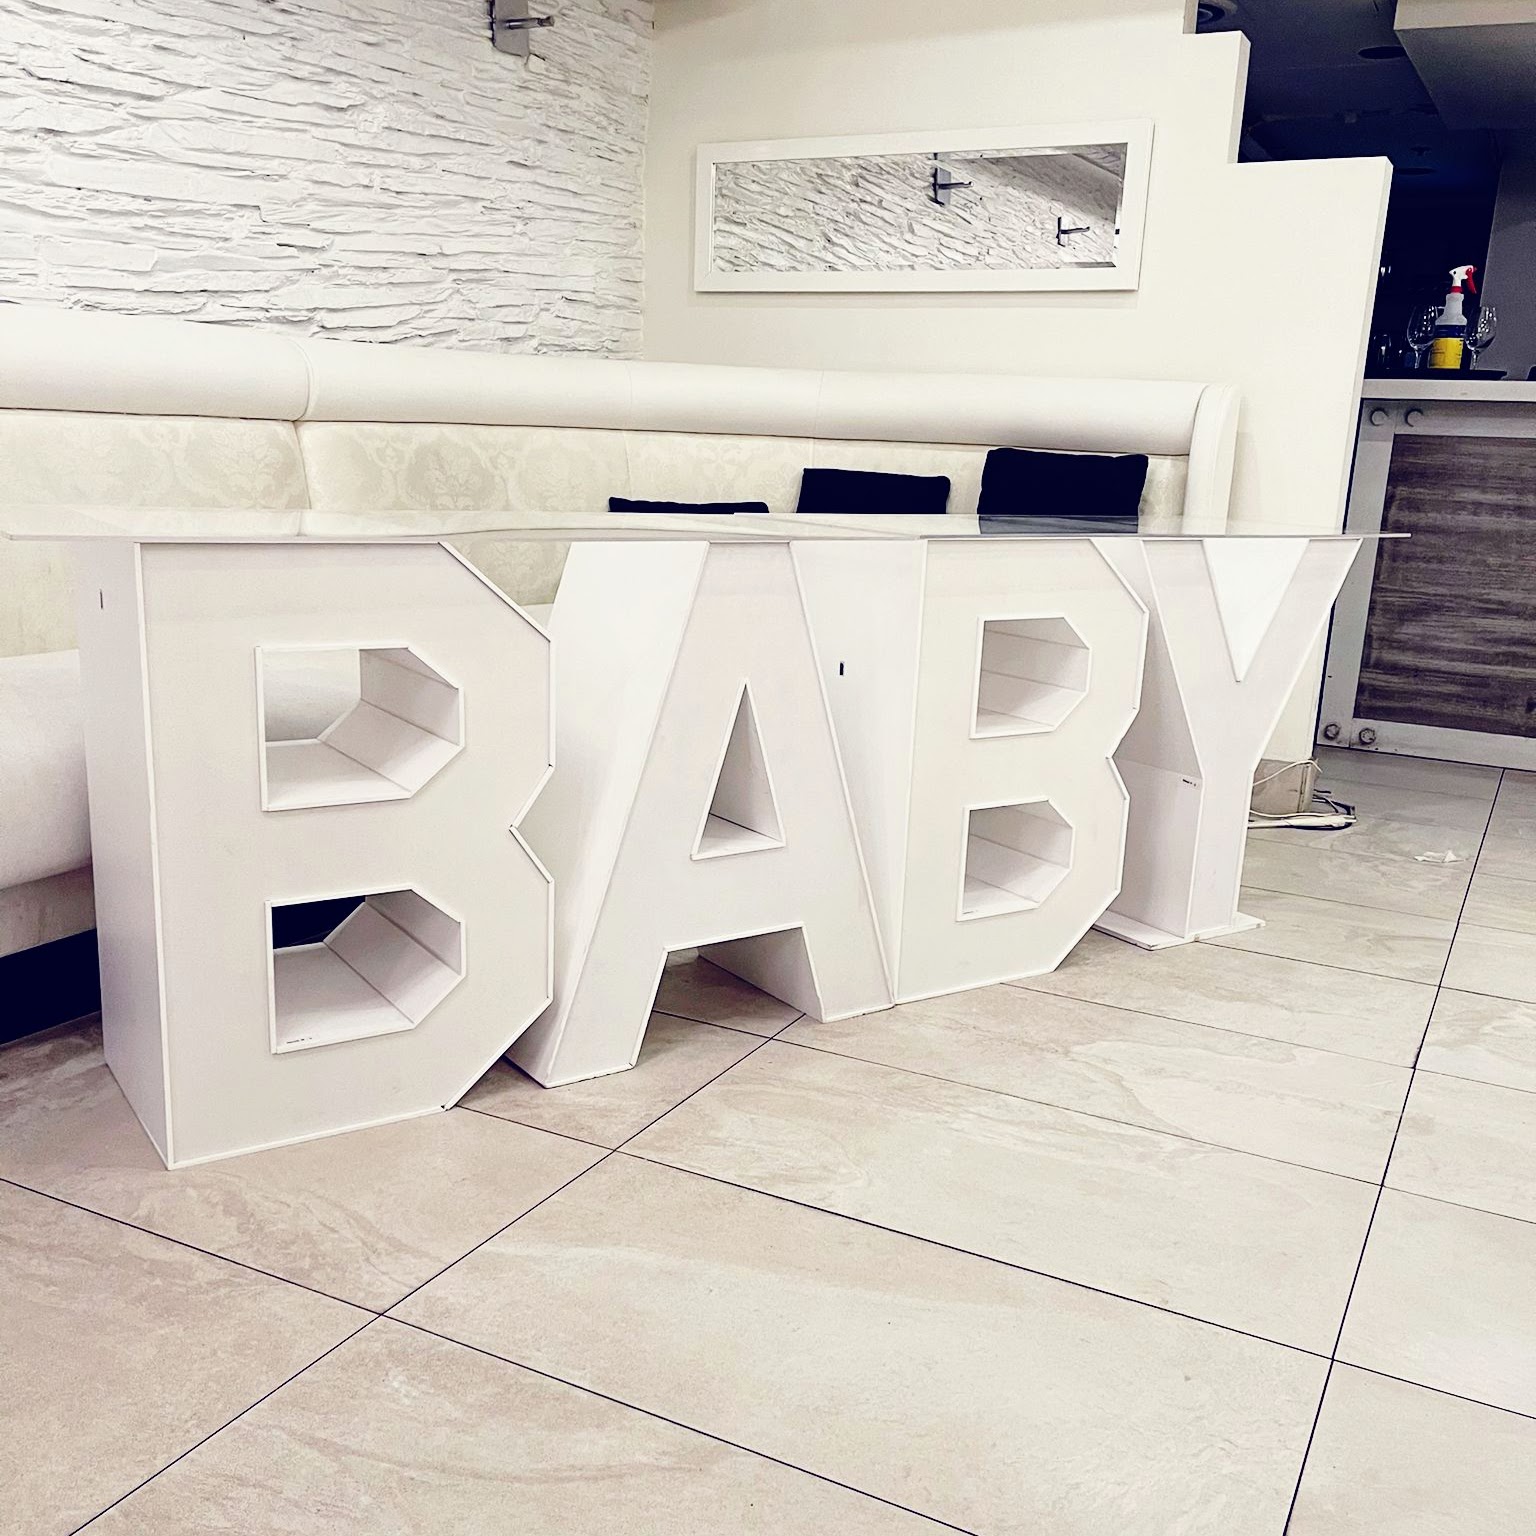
(943, 184)
(511, 25)
(1063, 230)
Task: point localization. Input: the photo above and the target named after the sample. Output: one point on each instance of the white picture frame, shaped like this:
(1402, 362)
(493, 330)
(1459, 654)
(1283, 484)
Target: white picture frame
(1124, 275)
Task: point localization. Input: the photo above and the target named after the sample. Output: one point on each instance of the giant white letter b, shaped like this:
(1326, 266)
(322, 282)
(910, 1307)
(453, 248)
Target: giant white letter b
(306, 762)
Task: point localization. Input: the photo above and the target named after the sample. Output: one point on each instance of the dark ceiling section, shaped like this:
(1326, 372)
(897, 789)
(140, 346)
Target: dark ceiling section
(1328, 78)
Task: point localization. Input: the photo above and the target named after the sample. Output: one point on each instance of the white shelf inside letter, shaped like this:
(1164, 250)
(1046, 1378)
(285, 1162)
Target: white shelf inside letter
(1032, 674)
(384, 968)
(1015, 856)
(402, 726)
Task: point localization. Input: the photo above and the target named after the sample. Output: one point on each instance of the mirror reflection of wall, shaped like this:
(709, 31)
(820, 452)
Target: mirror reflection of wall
(989, 210)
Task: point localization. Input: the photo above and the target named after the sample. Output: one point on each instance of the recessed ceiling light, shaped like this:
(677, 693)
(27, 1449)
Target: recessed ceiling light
(1209, 12)
(1384, 51)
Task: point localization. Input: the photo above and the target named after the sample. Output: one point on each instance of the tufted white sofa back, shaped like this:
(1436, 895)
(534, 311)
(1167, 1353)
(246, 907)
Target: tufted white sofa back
(98, 408)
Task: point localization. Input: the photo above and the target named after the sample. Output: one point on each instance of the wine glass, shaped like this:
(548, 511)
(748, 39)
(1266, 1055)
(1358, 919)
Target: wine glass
(1421, 331)
(1482, 332)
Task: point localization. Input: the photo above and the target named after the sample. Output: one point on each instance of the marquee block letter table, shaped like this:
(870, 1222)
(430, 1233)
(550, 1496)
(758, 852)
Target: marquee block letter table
(982, 666)
(855, 761)
(1233, 622)
(399, 817)
(705, 803)
(980, 688)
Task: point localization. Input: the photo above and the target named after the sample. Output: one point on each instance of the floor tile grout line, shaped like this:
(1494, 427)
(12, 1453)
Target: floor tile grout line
(1341, 788)
(1461, 1205)
(1480, 1082)
(1324, 781)
(735, 1029)
(583, 1141)
(1333, 1353)
(1358, 906)
(1413, 1072)
(1224, 942)
(360, 1306)
(1087, 1114)
(1372, 857)
(1333, 1356)
(1488, 927)
(1424, 1386)
(1306, 1450)
(559, 1188)
(1472, 991)
(607, 1153)
(799, 1018)
(1023, 984)
(701, 1087)
(1348, 970)
(181, 1242)
(662, 1418)
(972, 1253)
(1497, 997)
(1529, 880)
(527, 1125)
(1365, 1241)
(1273, 890)
(227, 1423)
(1307, 837)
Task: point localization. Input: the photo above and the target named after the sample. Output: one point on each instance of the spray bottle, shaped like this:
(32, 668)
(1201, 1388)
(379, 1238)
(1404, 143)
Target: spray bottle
(1445, 351)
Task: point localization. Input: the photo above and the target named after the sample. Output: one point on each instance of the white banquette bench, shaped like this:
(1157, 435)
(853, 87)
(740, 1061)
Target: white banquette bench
(112, 410)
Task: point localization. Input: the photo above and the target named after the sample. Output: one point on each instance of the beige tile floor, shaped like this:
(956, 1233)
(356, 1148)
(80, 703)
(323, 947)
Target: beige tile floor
(1235, 1239)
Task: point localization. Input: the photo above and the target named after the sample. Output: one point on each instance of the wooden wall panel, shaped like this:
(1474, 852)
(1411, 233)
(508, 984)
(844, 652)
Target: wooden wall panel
(1450, 638)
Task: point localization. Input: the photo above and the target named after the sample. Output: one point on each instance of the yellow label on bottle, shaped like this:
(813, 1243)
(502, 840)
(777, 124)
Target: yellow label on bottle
(1445, 352)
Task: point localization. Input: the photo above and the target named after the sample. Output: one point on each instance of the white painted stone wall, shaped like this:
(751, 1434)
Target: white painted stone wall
(367, 169)
(876, 213)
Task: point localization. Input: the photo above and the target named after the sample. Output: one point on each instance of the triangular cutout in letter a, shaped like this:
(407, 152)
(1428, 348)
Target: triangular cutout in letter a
(742, 815)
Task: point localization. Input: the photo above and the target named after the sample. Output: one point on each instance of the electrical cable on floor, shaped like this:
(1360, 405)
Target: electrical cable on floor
(1335, 818)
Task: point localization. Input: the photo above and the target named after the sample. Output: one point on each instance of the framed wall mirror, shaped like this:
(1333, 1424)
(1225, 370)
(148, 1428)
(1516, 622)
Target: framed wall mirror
(1055, 207)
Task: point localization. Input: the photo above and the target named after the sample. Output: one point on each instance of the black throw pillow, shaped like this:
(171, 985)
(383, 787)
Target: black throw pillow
(839, 492)
(675, 508)
(1025, 482)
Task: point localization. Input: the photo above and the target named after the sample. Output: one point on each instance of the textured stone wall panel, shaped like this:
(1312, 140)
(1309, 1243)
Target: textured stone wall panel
(368, 169)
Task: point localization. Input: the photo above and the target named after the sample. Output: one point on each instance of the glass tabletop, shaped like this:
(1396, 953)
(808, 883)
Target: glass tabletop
(262, 525)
